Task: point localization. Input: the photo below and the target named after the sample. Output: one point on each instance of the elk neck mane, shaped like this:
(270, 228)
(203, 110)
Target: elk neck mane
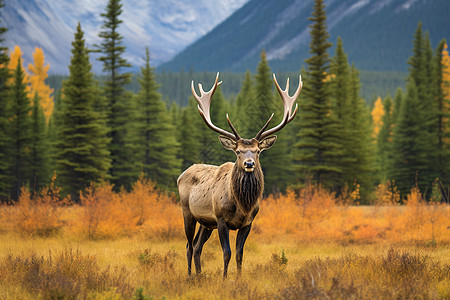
(247, 187)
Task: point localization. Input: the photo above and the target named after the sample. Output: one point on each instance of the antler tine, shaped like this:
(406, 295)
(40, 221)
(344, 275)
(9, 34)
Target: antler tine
(204, 104)
(258, 135)
(233, 129)
(288, 102)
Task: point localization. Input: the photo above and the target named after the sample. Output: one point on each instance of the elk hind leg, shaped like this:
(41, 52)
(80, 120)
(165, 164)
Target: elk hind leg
(202, 236)
(189, 228)
(240, 241)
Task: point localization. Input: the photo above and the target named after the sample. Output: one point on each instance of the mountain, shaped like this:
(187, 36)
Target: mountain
(377, 34)
(166, 27)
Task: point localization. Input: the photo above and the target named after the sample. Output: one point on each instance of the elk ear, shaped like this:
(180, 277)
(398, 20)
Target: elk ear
(227, 143)
(267, 143)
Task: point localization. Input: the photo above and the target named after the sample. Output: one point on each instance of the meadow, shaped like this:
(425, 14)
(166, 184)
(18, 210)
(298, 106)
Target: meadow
(305, 244)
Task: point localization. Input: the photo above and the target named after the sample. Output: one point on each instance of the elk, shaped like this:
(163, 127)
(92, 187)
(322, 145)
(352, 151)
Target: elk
(227, 197)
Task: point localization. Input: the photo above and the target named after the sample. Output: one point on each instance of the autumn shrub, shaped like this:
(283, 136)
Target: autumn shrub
(104, 215)
(311, 213)
(426, 221)
(387, 193)
(107, 214)
(349, 196)
(300, 213)
(155, 212)
(37, 215)
(66, 275)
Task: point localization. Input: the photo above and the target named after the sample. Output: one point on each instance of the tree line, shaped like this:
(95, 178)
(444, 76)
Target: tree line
(96, 129)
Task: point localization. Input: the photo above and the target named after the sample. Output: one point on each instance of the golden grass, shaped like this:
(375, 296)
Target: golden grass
(303, 245)
(159, 268)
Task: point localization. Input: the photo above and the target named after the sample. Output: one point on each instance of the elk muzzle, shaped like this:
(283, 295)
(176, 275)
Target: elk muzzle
(249, 165)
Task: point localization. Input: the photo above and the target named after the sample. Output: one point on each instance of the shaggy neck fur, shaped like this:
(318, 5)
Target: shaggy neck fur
(247, 187)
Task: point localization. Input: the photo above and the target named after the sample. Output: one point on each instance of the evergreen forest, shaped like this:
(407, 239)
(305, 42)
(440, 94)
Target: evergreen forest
(355, 130)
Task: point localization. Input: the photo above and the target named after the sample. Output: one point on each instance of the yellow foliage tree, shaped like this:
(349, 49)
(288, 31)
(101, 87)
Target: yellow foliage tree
(38, 73)
(377, 116)
(15, 55)
(446, 72)
(446, 80)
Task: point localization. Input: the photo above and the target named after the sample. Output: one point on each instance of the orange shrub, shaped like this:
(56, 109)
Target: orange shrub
(103, 214)
(308, 214)
(313, 215)
(39, 214)
(292, 215)
(426, 221)
(156, 213)
(106, 214)
(387, 194)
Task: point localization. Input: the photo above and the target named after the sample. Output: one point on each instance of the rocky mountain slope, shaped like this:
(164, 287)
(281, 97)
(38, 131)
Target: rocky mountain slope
(166, 27)
(377, 34)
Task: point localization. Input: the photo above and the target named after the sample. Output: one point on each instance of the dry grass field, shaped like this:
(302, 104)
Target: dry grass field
(305, 245)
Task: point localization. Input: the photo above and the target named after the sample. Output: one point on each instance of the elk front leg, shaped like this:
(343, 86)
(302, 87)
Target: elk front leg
(240, 241)
(189, 228)
(202, 236)
(224, 237)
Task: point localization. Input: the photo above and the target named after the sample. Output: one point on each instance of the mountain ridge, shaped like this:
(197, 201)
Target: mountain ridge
(377, 34)
(166, 27)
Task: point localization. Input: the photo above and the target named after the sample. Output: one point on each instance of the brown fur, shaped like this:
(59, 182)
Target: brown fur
(208, 192)
(221, 189)
(225, 197)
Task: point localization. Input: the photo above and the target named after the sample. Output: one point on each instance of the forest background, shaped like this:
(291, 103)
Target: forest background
(119, 125)
(90, 162)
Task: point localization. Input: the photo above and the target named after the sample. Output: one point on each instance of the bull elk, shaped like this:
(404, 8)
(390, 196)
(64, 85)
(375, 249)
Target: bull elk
(227, 197)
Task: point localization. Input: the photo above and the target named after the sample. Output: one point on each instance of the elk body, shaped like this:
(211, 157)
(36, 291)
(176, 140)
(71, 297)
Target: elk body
(226, 197)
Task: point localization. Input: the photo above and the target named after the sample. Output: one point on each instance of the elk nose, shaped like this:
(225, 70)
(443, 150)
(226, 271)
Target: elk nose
(249, 165)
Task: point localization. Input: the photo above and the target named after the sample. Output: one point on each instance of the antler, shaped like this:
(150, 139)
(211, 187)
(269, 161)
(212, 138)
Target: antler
(204, 104)
(288, 115)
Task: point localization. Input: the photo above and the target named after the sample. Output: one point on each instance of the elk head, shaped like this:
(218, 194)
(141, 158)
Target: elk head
(247, 150)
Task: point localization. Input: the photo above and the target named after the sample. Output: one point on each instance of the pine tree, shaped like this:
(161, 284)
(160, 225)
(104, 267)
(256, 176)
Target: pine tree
(82, 155)
(39, 162)
(417, 62)
(276, 161)
(429, 79)
(123, 169)
(398, 98)
(318, 151)
(155, 132)
(360, 138)
(421, 74)
(5, 142)
(384, 139)
(52, 128)
(38, 86)
(244, 108)
(189, 141)
(341, 108)
(263, 102)
(410, 145)
(340, 84)
(20, 131)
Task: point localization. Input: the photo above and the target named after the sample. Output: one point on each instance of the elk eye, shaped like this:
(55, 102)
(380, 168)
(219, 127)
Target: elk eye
(237, 152)
(258, 151)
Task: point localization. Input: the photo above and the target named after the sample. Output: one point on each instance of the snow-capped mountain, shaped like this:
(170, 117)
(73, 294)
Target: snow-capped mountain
(166, 27)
